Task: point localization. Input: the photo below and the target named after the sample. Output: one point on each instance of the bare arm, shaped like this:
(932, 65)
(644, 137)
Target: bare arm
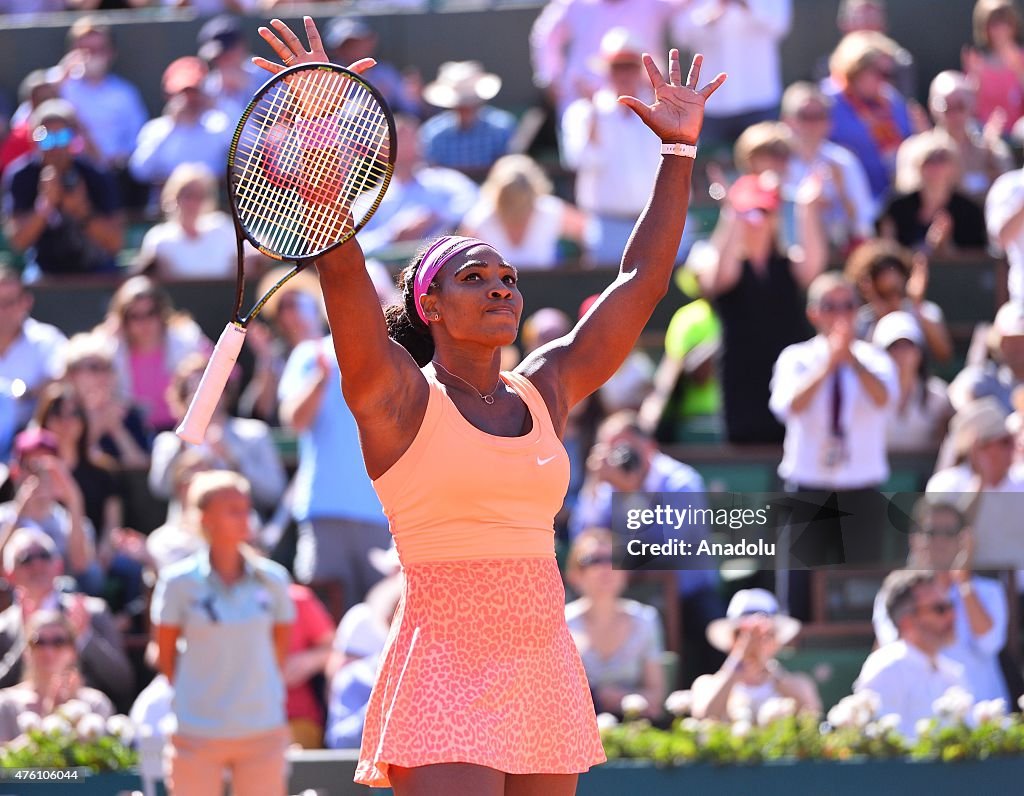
(806, 392)
(873, 386)
(24, 229)
(167, 649)
(573, 367)
(711, 693)
(382, 384)
(282, 635)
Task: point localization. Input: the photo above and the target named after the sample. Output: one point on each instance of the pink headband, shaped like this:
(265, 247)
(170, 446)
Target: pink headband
(440, 252)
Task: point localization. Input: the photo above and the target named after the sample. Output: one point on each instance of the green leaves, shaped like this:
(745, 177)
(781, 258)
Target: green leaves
(37, 748)
(802, 737)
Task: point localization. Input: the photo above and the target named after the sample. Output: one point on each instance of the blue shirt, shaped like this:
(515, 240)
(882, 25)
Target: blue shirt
(331, 481)
(227, 683)
(665, 475)
(849, 130)
(475, 147)
(349, 698)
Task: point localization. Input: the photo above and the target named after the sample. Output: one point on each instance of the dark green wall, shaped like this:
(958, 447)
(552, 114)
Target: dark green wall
(934, 30)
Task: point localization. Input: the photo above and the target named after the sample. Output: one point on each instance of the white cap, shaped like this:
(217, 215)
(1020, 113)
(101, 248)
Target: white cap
(897, 326)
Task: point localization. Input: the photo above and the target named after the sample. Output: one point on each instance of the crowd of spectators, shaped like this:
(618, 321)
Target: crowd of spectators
(809, 327)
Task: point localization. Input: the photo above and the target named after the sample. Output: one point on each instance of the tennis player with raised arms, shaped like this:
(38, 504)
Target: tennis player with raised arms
(480, 688)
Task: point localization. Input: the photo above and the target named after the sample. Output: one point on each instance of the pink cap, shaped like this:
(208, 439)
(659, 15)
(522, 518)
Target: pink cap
(440, 252)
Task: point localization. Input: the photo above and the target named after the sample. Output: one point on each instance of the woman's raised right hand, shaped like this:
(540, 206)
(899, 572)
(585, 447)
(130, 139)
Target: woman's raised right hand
(290, 50)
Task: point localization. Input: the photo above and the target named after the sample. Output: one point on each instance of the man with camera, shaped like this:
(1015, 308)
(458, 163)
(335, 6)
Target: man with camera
(625, 459)
(61, 210)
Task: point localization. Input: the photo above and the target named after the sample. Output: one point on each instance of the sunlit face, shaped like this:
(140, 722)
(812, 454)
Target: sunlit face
(66, 419)
(938, 541)
(812, 119)
(35, 567)
(624, 73)
(933, 615)
(939, 170)
(479, 299)
(51, 650)
(143, 324)
(870, 81)
(595, 576)
(906, 354)
(839, 305)
(225, 519)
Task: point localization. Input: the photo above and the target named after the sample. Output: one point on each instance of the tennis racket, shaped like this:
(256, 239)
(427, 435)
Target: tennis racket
(308, 165)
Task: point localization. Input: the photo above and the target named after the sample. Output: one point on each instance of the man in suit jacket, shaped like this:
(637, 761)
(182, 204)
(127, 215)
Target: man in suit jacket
(32, 565)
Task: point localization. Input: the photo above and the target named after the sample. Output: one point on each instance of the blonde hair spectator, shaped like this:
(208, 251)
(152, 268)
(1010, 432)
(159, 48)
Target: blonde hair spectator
(916, 151)
(987, 12)
(184, 176)
(519, 214)
(762, 141)
(859, 51)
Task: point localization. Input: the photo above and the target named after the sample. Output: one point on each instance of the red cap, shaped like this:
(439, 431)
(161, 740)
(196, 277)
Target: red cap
(588, 302)
(183, 73)
(34, 440)
(755, 192)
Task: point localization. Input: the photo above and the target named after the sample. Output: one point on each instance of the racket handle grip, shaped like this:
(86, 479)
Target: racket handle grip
(211, 386)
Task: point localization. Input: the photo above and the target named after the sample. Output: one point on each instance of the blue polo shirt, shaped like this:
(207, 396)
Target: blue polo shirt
(227, 683)
(331, 482)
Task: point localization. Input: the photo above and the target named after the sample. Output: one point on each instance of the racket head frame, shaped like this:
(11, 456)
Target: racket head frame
(242, 234)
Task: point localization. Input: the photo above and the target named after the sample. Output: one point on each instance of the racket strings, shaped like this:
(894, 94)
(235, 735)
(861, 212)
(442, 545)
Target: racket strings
(306, 152)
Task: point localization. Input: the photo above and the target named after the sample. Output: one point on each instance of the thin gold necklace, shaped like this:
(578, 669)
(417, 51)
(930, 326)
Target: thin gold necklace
(487, 399)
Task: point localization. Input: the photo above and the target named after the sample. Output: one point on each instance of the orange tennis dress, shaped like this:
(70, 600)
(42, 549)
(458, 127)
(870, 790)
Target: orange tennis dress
(479, 666)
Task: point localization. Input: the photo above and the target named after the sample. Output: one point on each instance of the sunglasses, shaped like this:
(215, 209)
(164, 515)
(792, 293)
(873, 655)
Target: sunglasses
(812, 116)
(940, 533)
(54, 642)
(940, 609)
(32, 556)
(596, 558)
(142, 315)
(830, 307)
(92, 365)
(58, 139)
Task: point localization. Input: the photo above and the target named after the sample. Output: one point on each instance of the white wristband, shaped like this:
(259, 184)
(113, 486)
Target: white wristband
(684, 150)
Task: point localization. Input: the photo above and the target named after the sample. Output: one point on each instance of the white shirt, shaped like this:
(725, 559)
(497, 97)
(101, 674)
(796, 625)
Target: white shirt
(916, 426)
(998, 541)
(539, 247)
(744, 43)
(567, 36)
(614, 172)
(838, 224)
(360, 633)
(36, 356)
(979, 655)
(209, 255)
(163, 144)
(809, 433)
(1005, 199)
(111, 111)
(907, 682)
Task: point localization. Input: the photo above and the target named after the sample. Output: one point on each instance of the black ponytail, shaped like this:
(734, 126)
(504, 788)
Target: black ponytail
(405, 326)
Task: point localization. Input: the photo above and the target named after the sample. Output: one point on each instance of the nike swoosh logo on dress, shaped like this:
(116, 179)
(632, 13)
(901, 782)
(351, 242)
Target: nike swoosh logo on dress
(542, 462)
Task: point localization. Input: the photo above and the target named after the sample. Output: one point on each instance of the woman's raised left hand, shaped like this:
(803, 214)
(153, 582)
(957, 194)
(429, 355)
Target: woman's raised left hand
(677, 113)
